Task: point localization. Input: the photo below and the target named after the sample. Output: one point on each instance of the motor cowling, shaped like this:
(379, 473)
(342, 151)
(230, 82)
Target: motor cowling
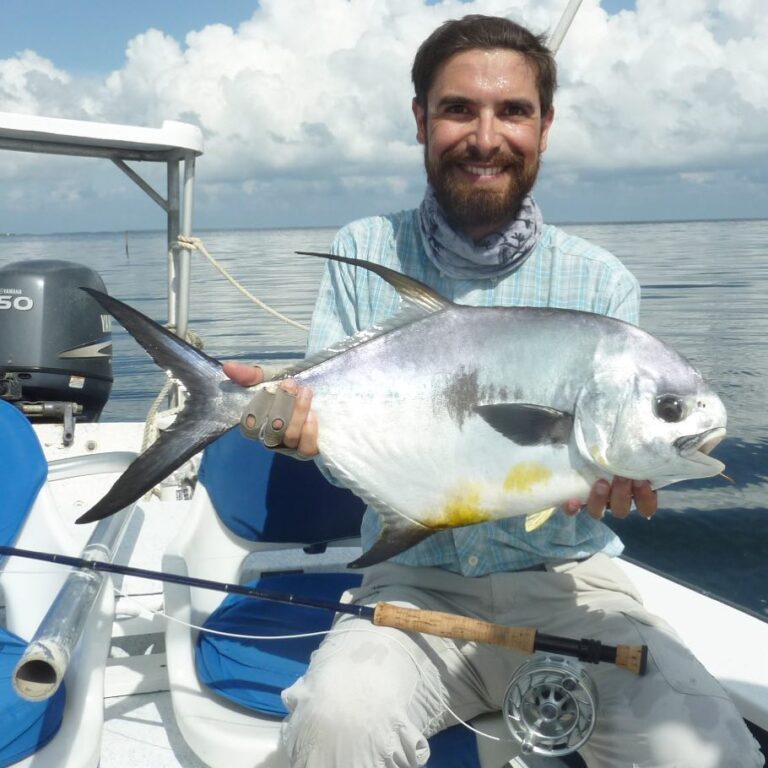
(55, 341)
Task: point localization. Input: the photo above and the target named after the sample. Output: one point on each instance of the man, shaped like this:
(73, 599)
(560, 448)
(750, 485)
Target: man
(372, 696)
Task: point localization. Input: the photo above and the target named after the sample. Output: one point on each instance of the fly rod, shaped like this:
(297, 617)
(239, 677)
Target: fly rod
(522, 639)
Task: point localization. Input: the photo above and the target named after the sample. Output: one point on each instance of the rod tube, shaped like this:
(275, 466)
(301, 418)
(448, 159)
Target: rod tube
(42, 666)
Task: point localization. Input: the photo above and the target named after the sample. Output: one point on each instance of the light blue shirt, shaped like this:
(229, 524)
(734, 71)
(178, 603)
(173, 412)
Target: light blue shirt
(563, 271)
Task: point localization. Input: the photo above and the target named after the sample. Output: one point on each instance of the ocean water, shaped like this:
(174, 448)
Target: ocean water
(704, 291)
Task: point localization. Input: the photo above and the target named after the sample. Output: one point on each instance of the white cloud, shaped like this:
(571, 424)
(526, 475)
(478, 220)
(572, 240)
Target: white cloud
(29, 83)
(319, 93)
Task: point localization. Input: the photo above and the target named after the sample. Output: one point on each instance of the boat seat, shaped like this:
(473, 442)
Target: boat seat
(63, 731)
(250, 502)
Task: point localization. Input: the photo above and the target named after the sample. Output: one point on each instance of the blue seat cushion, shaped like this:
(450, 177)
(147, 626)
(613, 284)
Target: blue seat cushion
(23, 470)
(265, 496)
(25, 726)
(253, 673)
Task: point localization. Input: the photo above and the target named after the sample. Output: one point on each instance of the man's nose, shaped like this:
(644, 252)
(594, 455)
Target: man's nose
(485, 138)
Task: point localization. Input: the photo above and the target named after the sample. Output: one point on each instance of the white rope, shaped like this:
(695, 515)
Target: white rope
(406, 650)
(150, 422)
(195, 243)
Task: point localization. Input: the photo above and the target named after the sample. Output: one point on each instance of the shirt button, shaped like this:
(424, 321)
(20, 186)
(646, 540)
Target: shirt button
(472, 560)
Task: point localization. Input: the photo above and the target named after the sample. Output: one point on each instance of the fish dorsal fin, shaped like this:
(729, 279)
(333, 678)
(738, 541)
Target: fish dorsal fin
(410, 290)
(419, 300)
(528, 424)
(407, 314)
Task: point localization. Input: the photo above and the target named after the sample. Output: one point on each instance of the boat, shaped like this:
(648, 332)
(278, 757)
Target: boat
(137, 689)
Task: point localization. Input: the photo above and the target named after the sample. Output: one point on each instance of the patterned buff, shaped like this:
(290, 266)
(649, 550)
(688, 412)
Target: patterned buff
(496, 255)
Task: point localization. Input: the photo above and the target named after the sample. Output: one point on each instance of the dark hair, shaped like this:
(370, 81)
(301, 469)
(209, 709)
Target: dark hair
(483, 32)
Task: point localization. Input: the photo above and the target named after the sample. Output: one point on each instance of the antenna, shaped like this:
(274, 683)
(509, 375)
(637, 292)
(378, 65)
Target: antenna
(556, 38)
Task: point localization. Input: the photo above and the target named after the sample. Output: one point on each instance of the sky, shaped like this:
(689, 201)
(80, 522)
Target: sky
(305, 108)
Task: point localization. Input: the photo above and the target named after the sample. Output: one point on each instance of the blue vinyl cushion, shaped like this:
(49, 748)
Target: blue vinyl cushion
(252, 673)
(265, 496)
(25, 726)
(23, 470)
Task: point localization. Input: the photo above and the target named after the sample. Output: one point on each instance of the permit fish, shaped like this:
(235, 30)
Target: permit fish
(449, 415)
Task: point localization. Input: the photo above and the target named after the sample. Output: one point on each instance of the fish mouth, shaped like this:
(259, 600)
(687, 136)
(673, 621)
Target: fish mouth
(698, 447)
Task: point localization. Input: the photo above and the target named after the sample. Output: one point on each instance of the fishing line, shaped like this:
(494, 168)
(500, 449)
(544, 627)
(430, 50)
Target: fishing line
(237, 636)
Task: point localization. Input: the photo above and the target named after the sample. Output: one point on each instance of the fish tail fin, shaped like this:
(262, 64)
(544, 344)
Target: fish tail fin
(196, 425)
(397, 534)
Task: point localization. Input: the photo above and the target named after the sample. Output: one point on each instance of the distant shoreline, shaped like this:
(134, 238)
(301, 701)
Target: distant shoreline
(570, 223)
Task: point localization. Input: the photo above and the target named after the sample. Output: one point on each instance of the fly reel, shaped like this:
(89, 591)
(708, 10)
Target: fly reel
(550, 706)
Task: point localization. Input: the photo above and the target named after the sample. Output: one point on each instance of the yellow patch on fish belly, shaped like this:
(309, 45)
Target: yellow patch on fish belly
(462, 508)
(524, 476)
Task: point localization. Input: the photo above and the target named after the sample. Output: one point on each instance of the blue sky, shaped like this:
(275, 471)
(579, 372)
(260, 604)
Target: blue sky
(80, 36)
(305, 107)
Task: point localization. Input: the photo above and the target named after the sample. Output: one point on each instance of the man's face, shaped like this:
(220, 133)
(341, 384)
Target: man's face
(482, 132)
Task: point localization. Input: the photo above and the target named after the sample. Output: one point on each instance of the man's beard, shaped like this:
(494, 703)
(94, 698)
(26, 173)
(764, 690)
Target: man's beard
(468, 207)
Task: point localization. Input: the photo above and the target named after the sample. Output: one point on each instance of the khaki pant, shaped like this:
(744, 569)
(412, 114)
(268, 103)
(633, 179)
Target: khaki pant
(372, 696)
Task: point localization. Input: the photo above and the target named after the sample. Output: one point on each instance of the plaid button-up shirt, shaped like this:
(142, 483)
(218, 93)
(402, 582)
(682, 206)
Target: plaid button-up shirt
(563, 271)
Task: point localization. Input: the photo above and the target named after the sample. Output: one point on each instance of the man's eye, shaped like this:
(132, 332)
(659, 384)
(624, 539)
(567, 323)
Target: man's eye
(670, 408)
(456, 109)
(516, 110)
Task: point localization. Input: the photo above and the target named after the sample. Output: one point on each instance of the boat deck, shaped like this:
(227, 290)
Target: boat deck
(140, 728)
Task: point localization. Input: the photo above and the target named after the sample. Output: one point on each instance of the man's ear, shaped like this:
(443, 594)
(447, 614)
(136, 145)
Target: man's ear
(420, 115)
(546, 124)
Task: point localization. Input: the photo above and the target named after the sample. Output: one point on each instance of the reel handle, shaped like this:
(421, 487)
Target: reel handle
(523, 639)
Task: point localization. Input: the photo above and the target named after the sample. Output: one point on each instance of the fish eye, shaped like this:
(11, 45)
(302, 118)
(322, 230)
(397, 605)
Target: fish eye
(670, 408)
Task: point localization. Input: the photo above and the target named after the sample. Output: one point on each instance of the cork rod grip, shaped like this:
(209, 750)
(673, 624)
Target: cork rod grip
(460, 627)
(633, 658)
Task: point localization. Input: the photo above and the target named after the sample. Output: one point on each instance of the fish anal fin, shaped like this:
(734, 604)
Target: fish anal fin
(528, 424)
(397, 534)
(536, 519)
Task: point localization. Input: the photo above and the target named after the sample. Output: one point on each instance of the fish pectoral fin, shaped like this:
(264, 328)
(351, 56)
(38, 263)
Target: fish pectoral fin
(537, 519)
(528, 424)
(397, 534)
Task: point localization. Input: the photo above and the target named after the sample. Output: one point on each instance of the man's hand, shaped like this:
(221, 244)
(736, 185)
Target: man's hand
(618, 495)
(301, 432)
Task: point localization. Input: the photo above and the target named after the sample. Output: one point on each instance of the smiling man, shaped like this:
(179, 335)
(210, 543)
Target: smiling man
(484, 129)
(373, 696)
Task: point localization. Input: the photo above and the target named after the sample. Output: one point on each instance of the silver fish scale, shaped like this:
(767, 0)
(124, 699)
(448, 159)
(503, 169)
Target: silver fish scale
(398, 420)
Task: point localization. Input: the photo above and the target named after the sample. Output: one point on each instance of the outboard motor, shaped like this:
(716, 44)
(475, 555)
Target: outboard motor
(55, 342)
